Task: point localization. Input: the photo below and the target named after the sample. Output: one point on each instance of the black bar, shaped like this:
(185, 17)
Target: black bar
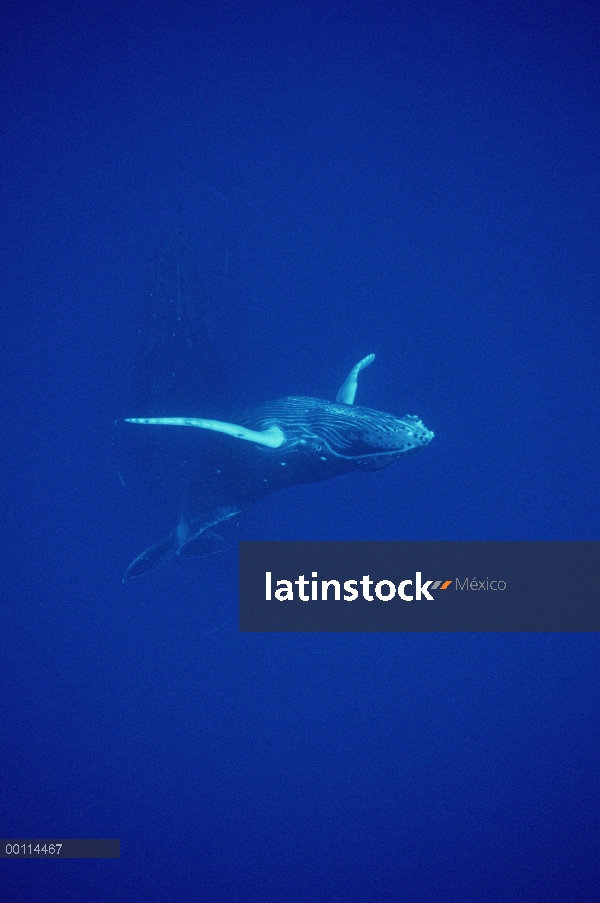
(469, 586)
(59, 849)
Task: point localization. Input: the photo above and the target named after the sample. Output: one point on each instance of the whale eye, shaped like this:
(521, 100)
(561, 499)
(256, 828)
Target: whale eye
(317, 448)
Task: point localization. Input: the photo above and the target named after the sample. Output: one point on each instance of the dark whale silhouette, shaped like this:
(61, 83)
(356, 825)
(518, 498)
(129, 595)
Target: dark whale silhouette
(175, 370)
(285, 442)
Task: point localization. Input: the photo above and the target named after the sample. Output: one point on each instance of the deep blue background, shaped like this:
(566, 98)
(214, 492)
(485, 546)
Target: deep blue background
(416, 179)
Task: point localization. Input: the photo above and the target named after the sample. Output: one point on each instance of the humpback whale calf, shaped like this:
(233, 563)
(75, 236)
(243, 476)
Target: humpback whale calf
(282, 443)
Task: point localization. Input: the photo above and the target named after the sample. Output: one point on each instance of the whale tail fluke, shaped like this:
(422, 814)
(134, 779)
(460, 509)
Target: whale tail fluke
(152, 557)
(202, 545)
(207, 543)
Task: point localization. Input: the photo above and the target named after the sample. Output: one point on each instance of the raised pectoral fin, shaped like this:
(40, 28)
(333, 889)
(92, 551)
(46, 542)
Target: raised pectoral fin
(272, 438)
(347, 393)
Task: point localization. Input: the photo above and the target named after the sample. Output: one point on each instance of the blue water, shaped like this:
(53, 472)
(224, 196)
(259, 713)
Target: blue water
(418, 180)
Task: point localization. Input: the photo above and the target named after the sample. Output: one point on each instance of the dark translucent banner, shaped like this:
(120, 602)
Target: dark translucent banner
(59, 849)
(419, 586)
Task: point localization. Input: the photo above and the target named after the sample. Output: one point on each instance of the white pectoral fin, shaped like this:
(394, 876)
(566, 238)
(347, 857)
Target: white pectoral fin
(272, 438)
(347, 393)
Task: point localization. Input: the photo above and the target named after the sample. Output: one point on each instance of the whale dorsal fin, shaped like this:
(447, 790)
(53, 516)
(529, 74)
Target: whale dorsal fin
(272, 438)
(347, 392)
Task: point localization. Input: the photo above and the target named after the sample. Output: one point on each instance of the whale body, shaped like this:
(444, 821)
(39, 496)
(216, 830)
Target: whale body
(282, 443)
(314, 440)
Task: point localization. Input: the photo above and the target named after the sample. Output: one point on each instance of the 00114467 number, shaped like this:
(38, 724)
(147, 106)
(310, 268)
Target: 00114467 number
(24, 849)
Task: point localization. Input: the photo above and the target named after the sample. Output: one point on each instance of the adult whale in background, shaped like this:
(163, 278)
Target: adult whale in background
(282, 443)
(175, 369)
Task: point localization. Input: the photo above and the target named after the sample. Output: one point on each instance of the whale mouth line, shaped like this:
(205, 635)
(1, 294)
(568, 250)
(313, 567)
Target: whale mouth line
(383, 454)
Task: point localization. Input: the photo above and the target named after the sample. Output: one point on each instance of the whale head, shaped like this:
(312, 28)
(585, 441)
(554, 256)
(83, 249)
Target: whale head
(350, 436)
